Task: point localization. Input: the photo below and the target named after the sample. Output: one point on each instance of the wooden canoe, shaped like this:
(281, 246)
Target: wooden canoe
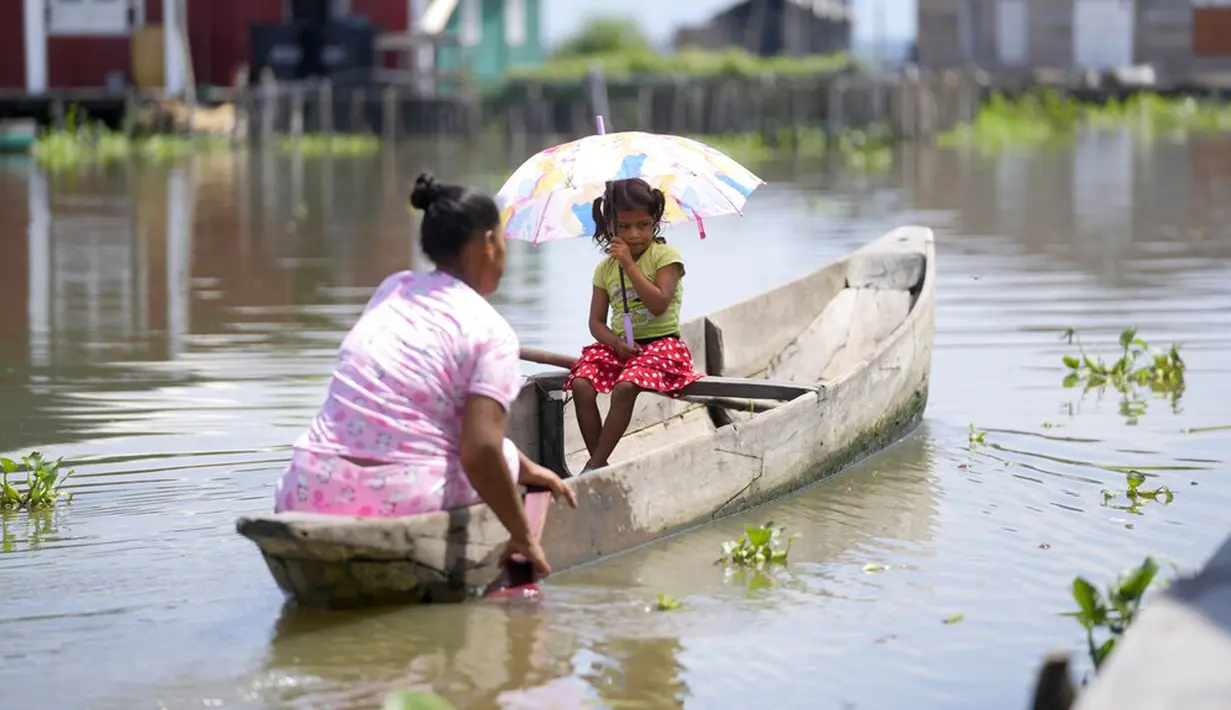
(846, 349)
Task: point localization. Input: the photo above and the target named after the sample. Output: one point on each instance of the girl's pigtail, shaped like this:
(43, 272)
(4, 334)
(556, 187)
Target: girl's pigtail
(601, 237)
(656, 213)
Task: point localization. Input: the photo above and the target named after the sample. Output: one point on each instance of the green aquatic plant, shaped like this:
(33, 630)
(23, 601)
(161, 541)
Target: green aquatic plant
(622, 51)
(666, 602)
(1162, 372)
(415, 700)
(44, 483)
(976, 437)
(334, 144)
(1114, 612)
(1137, 495)
(869, 149)
(1202, 429)
(85, 142)
(866, 149)
(758, 547)
(1030, 119)
(1042, 115)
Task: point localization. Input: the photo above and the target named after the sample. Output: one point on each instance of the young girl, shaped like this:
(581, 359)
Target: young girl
(650, 272)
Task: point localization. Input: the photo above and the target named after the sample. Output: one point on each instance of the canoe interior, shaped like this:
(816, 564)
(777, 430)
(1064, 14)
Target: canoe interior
(855, 335)
(809, 331)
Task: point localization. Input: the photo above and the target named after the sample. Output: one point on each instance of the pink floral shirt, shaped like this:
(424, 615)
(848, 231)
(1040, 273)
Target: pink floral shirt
(424, 342)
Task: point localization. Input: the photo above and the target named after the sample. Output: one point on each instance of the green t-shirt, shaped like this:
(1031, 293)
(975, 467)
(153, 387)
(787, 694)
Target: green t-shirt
(645, 325)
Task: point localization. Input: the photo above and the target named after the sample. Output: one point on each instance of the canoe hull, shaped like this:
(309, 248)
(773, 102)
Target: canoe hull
(693, 466)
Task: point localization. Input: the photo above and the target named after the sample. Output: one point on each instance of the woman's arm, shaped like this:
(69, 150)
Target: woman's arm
(656, 294)
(598, 319)
(534, 475)
(483, 426)
(544, 357)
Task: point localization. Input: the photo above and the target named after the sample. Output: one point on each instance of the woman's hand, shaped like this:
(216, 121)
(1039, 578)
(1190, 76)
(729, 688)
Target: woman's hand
(531, 550)
(620, 252)
(543, 477)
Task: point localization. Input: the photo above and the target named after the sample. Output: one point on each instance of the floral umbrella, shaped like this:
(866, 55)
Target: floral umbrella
(551, 195)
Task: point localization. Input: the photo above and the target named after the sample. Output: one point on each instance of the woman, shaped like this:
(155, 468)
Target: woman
(415, 416)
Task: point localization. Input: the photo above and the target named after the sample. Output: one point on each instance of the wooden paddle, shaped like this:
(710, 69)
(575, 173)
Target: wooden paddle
(518, 580)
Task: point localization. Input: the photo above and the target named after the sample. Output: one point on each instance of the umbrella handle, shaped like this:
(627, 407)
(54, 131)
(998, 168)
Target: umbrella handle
(628, 317)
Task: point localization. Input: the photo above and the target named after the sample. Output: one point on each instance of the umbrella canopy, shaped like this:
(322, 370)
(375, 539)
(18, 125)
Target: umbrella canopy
(551, 195)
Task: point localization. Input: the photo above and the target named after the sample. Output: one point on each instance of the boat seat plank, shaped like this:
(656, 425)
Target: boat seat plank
(896, 263)
(724, 387)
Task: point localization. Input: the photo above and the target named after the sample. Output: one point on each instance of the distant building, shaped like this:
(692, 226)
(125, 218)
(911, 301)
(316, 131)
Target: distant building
(1175, 36)
(492, 37)
(89, 44)
(52, 45)
(771, 28)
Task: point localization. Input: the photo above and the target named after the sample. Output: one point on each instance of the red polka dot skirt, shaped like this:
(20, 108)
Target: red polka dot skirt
(663, 365)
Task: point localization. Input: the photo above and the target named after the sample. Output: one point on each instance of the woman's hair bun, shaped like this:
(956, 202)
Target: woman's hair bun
(425, 192)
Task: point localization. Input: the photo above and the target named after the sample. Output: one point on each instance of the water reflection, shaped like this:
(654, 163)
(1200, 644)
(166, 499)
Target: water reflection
(169, 330)
(892, 497)
(480, 656)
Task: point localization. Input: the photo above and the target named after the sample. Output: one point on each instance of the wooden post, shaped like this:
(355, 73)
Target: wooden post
(645, 108)
(358, 114)
(878, 99)
(953, 105)
(696, 108)
(764, 87)
(268, 95)
(241, 100)
(325, 119)
(678, 117)
(130, 113)
(797, 118)
(389, 114)
(597, 84)
(533, 114)
(834, 110)
(296, 129)
(926, 111)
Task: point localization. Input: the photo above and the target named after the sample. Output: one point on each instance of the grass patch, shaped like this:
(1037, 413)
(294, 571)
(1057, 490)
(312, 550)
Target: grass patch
(868, 149)
(622, 51)
(85, 142)
(336, 144)
(1044, 115)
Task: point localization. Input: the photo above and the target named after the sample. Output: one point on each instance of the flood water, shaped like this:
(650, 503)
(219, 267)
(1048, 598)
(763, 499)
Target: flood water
(170, 330)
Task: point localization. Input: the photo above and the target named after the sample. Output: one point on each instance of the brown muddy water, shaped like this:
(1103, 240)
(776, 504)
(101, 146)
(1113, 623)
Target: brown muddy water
(169, 331)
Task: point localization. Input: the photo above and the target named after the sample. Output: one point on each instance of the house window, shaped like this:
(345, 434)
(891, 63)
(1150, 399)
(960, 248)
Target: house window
(94, 17)
(514, 23)
(471, 31)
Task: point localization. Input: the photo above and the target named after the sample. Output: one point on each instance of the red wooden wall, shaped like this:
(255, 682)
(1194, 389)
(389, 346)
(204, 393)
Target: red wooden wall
(12, 46)
(217, 33)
